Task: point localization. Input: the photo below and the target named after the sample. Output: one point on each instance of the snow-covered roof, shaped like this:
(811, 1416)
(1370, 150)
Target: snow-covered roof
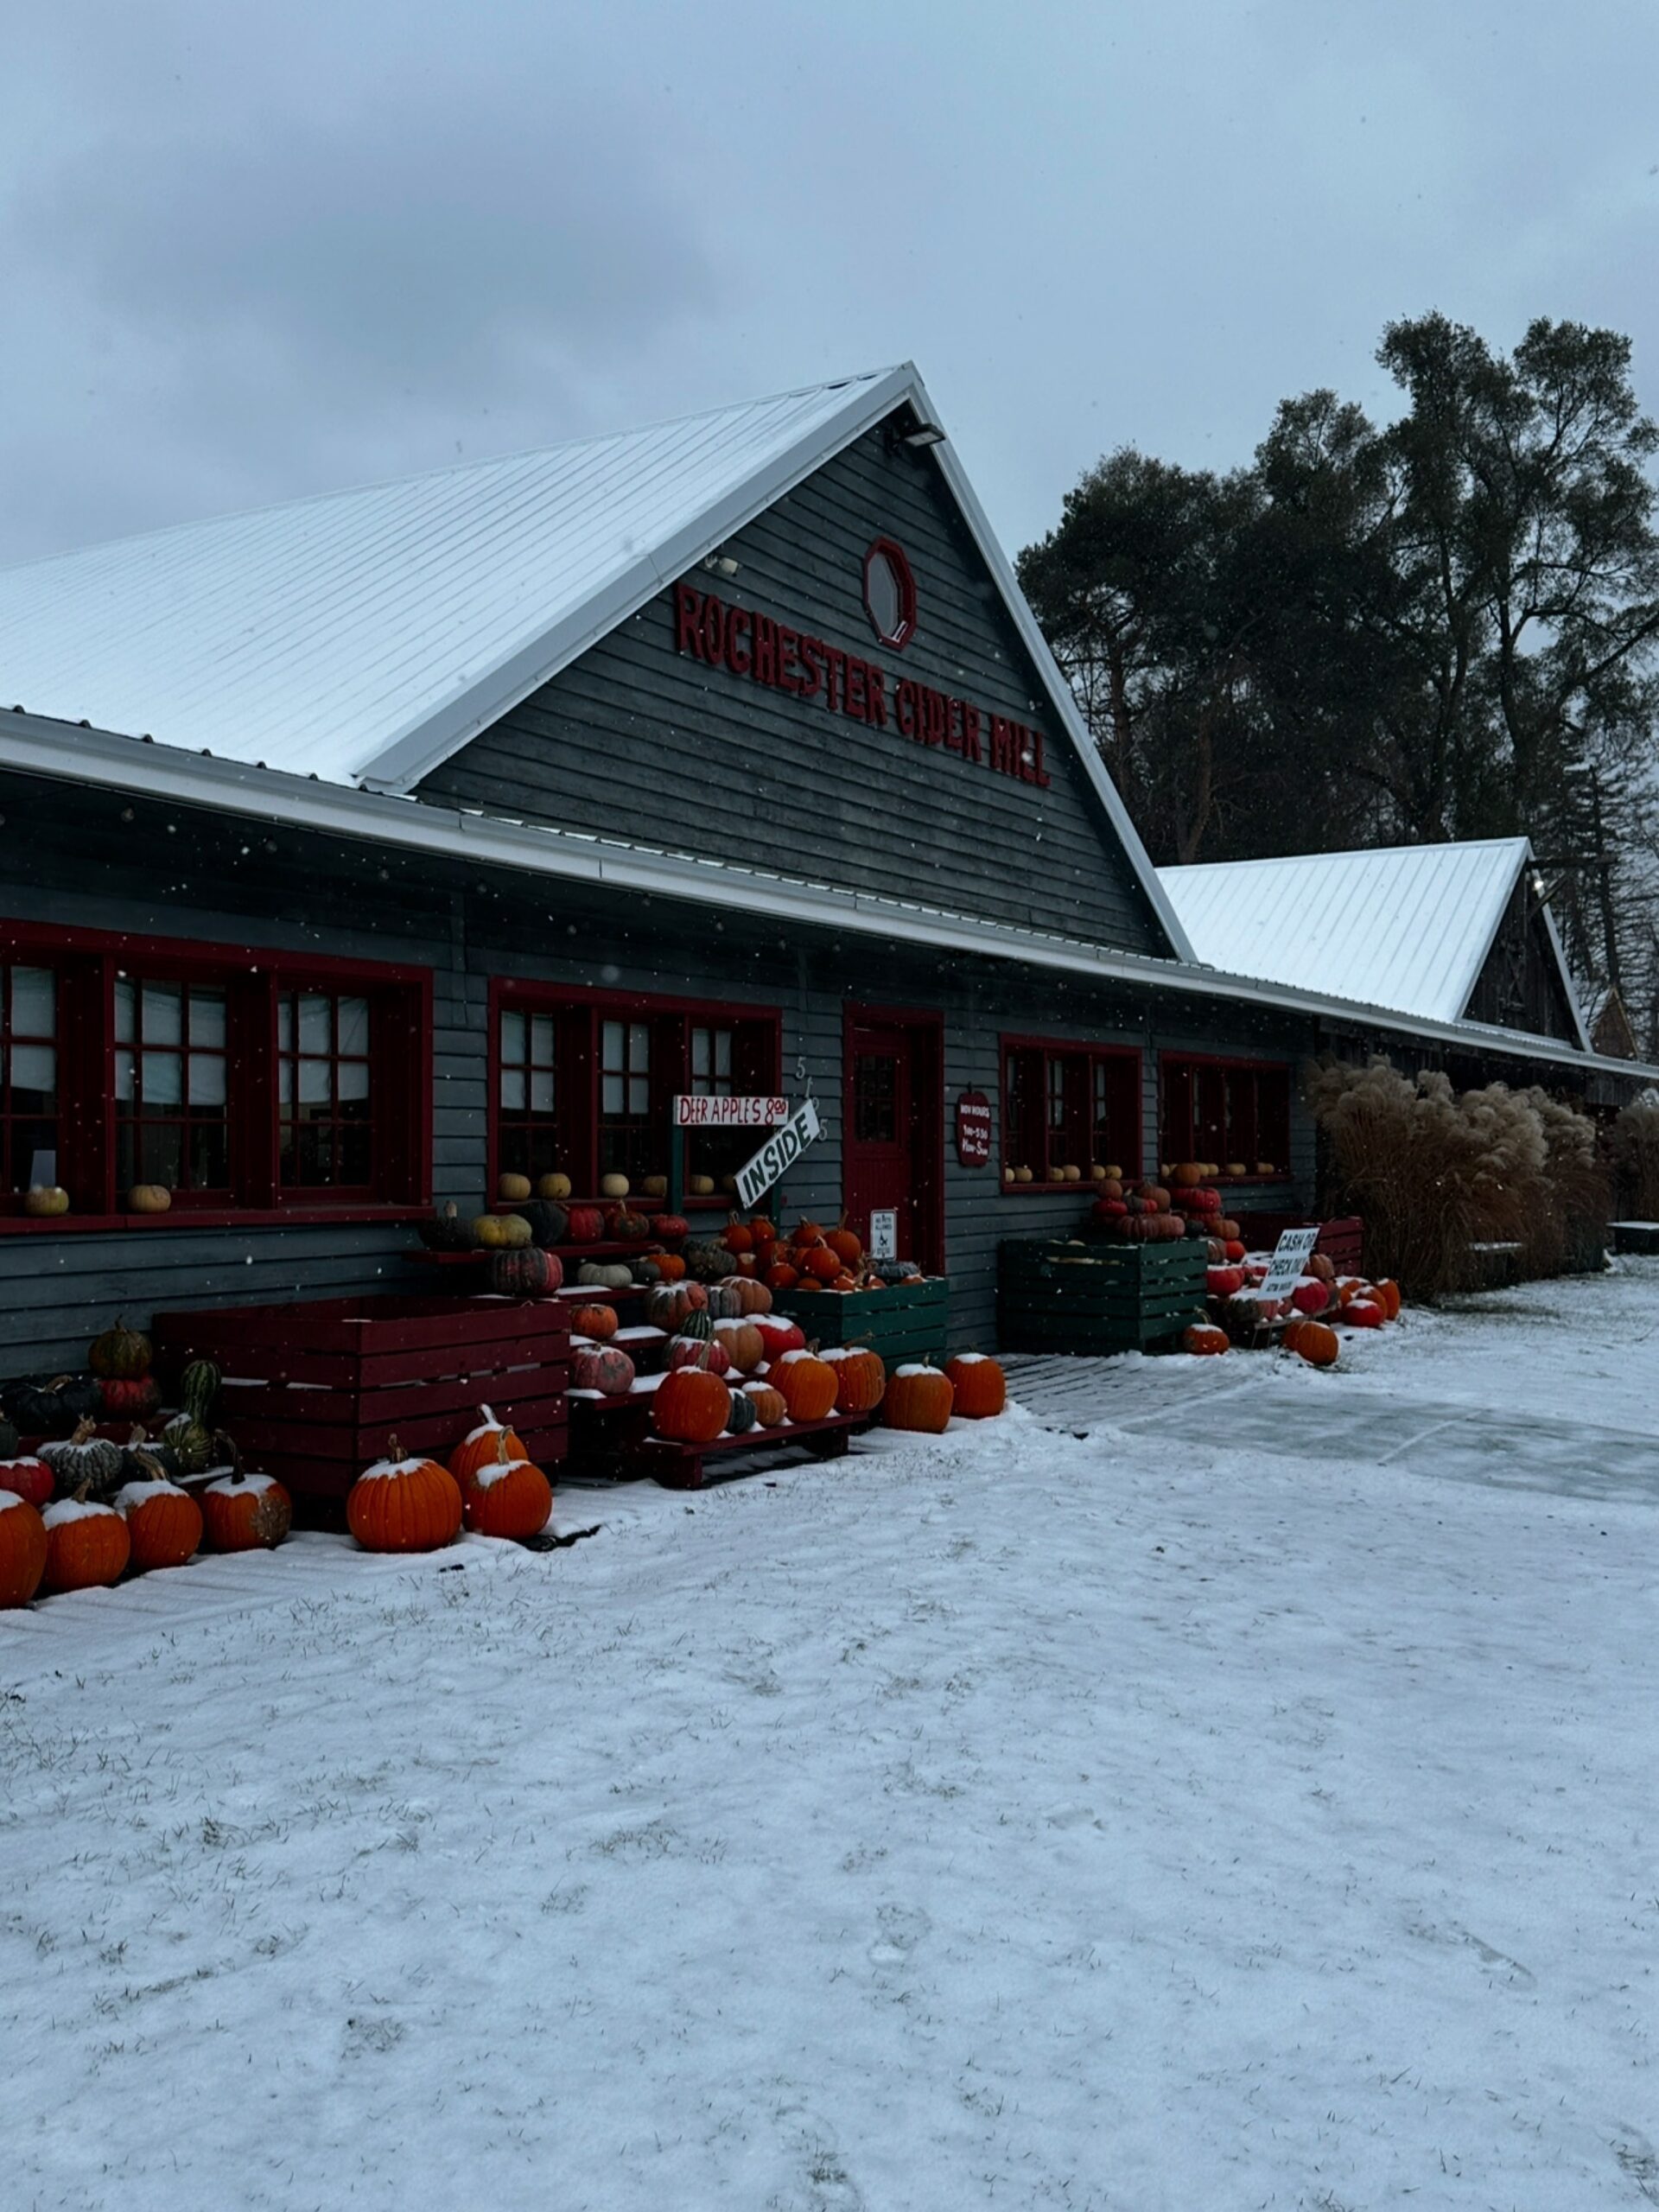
(365, 636)
(1403, 926)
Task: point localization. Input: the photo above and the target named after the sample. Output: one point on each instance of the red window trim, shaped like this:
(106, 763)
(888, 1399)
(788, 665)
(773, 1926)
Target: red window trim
(540, 994)
(1009, 1042)
(1260, 1066)
(404, 1066)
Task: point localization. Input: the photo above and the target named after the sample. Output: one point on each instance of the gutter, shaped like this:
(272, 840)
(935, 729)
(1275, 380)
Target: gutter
(69, 753)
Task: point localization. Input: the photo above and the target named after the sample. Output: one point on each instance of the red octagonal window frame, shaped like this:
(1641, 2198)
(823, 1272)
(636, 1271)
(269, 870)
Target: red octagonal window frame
(899, 633)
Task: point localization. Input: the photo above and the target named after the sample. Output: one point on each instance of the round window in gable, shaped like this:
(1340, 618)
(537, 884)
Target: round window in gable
(890, 594)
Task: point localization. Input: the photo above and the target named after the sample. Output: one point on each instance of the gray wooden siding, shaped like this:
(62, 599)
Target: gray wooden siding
(1519, 986)
(638, 738)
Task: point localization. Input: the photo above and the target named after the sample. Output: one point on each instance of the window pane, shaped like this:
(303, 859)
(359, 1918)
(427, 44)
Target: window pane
(206, 1079)
(210, 1159)
(512, 1036)
(610, 1098)
(541, 1041)
(315, 1090)
(124, 1077)
(125, 997)
(161, 1013)
(353, 1080)
(700, 1053)
(208, 1019)
(285, 1024)
(611, 1046)
(161, 1152)
(723, 1051)
(541, 1090)
(639, 1094)
(34, 1003)
(512, 1090)
(317, 1023)
(33, 1071)
(354, 1027)
(285, 1082)
(161, 1076)
(638, 1046)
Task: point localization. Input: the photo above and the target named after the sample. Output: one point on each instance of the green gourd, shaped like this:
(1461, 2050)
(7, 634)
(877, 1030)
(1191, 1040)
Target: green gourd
(198, 1388)
(192, 1443)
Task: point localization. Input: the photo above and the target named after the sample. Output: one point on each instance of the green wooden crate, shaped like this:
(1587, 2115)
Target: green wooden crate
(1097, 1298)
(905, 1321)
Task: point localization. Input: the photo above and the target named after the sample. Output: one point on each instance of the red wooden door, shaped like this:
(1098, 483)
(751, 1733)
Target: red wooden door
(892, 1143)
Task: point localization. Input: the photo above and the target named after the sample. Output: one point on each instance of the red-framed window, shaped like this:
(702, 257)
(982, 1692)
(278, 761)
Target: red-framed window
(244, 1082)
(326, 1091)
(1068, 1105)
(1234, 1113)
(172, 1086)
(29, 1074)
(582, 1084)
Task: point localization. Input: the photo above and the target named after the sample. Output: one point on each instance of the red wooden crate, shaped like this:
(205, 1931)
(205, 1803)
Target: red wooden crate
(1342, 1239)
(312, 1391)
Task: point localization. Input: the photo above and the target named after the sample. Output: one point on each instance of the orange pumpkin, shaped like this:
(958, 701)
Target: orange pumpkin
(807, 1384)
(88, 1546)
(919, 1398)
(980, 1389)
(1316, 1344)
(860, 1379)
(245, 1513)
(1203, 1338)
(744, 1295)
(412, 1505)
(478, 1448)
(739, 1237)
(1320, 1264)
(509, 1497)
(598, 1322)
(781, 1276)
(689, 1406)
(821, 1263)
(1388, 1292)
(845, 1246)
(22, 1550)
(670, 1266)
(1363, 1313)
(769, 1409)
(163, 1524)
(745, 1346)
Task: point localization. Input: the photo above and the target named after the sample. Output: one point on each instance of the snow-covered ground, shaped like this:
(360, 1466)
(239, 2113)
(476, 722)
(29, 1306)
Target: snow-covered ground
(1128, 1821)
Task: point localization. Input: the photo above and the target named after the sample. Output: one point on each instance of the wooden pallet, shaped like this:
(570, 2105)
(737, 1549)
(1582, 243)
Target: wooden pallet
(684, 1466)
(312, 1390)
(1094, 1298)
(906, 1321)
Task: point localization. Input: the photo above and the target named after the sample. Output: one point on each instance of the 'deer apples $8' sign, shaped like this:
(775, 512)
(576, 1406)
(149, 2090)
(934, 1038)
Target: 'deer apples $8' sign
(754, 647)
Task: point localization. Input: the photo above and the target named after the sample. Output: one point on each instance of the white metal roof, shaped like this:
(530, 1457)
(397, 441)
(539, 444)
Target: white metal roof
(1405, 926)
(365, 636)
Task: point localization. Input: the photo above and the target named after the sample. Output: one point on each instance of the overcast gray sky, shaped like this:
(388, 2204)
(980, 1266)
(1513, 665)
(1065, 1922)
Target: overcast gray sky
(254, 250)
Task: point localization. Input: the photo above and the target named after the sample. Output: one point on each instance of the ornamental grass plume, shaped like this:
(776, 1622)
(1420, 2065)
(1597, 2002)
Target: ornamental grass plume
(1434, 1172)
(1635, 1157)
(1569, 1229)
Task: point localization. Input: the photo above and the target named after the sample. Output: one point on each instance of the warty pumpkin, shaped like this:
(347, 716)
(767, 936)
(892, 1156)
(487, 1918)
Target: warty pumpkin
(604, 1368)
(501, 1232)
(979, 1386)
(530, 1272)
(407, 1505)
(22, 1550)
(920, 1397)
(667, 1305)
(44, 1201)
(243, 1512)
(119, 1353)
(84, 1458)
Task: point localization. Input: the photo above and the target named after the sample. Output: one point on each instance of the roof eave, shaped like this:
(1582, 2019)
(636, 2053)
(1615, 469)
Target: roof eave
(33, 745)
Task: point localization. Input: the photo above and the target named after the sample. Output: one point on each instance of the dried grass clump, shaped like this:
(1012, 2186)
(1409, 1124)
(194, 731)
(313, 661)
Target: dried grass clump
(1436, 1171)
(1636, 1156)
(1569, 1230)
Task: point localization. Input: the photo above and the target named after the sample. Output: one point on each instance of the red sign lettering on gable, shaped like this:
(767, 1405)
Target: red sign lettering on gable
(754, 646)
